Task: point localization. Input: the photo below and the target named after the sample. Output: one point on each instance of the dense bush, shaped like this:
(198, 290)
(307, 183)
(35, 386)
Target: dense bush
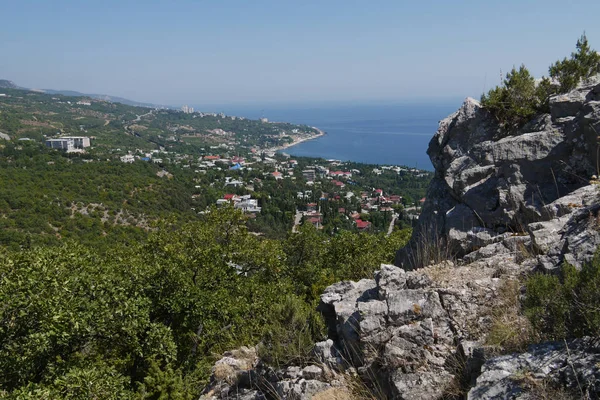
(147, 320)
(567, 305)
(516, 101)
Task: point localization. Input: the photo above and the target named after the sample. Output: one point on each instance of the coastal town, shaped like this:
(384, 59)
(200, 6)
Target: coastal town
(231, 161)
(318, 184)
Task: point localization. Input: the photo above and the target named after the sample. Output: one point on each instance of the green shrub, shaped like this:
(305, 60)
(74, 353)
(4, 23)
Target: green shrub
(295, 327)
(516, 101)
(583, 63)
(565, 306)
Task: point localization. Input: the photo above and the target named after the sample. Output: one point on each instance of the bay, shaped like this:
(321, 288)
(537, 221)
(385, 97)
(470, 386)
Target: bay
(390, 134)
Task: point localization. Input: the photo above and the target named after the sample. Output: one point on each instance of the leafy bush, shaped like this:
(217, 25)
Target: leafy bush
(148, 319)
(516, 101)
(291, 335)
(565, 306)
(583, 63)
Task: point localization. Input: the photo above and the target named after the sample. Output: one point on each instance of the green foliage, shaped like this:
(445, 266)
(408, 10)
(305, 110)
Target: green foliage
(519, 98)
(567, 306)
(315, 261)
(94, 381)
(146, 320)
(516, 101)
(291, 336)
(164, 384)
(584, 63)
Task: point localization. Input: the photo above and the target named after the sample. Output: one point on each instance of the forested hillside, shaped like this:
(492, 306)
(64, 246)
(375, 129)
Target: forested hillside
(145, 319)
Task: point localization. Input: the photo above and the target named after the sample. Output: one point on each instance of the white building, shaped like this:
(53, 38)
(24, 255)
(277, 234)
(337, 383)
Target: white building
(187, 110)
(248, 205)
(69, 143)
(309, 174)
(129, 158)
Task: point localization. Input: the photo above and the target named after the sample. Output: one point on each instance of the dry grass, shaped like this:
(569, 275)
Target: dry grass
(542, 389)
(594, 220)
(334, 394)
(510, 330)
(225, 373)
(459, 386)
(447, 275)
(245, 357)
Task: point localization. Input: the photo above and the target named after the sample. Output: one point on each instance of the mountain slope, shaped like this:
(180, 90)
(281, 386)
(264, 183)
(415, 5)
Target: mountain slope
(6, 84)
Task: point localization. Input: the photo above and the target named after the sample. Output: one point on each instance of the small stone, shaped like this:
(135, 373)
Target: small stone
(312, 372)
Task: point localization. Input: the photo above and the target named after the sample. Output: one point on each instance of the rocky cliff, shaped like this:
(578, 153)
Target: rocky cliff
(494, 192)
(499, 206)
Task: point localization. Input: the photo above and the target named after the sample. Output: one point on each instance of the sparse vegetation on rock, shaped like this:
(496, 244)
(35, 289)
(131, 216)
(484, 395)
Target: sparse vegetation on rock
(520, 97)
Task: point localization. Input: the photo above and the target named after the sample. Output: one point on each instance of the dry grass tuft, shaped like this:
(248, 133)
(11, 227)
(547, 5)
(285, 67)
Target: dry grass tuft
(224, 373)
(448, 275)
(511, 331)
(334, 394)
(542, 389)
(459, 386)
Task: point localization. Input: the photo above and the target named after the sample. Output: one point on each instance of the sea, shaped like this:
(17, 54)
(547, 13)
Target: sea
(382, 133)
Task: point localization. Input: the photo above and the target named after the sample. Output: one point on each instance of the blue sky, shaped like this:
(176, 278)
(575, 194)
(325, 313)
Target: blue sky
(274, 52)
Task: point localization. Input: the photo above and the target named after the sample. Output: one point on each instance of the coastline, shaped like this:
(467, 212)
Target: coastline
(296, 141)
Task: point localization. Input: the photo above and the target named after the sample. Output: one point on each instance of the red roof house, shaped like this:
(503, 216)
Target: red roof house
(362, 225)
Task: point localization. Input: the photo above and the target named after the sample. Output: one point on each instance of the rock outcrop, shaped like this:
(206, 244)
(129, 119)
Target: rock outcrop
(490, 187)
(240, 374)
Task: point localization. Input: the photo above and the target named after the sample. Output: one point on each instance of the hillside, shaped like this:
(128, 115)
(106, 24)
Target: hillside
(115, 125)
(5, 84)
(146, 165)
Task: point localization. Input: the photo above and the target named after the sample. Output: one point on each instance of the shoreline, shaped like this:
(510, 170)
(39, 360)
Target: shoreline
(296, 142)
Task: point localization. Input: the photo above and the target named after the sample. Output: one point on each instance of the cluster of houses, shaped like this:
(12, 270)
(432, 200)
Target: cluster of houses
(369, 202)
(148, 157)
(377, 201)
(396, 169)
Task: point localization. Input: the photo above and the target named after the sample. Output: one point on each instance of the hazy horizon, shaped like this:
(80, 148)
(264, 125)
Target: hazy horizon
(268, 52)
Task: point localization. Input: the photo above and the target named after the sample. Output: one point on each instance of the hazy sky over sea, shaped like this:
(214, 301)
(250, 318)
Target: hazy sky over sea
(226, 52)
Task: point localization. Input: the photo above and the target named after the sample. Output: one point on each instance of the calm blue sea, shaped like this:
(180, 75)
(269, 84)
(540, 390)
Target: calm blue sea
(371, 133)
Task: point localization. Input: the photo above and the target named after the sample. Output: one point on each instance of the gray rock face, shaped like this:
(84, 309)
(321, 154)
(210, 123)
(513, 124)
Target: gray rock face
(398, 332)
(489, 186)
(518, 376)
(402, 329)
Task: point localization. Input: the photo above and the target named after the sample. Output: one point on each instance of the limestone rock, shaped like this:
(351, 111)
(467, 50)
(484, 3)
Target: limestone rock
(572, 364)
(490, 185)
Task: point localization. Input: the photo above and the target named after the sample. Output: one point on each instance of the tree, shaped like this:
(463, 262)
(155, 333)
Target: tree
(516, 101)
(584, 63)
